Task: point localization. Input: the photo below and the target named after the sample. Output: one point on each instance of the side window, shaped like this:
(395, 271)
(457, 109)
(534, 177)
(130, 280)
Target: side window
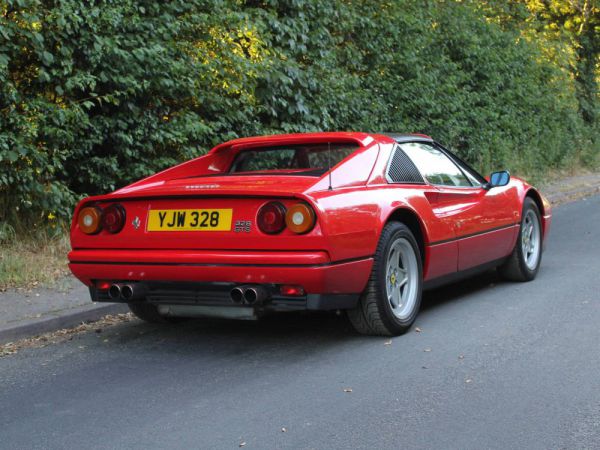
(473, 176)
(474, 181)
(434, 165)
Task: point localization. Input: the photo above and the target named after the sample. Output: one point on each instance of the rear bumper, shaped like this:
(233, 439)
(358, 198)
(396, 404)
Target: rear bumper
(312, 270)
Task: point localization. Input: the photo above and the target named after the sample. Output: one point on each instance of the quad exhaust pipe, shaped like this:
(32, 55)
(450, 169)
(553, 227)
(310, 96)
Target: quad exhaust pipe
(126, 292)
(249, 295)
(241, 295)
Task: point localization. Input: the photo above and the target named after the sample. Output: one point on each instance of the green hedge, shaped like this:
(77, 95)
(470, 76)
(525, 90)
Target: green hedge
(94, 95)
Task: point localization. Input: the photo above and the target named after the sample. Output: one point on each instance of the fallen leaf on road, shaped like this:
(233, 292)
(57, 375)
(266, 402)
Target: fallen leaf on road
(347, 389)
(7, 350)
(427, 349)
(388, 342)
(242, 444)
(283, 429)
(468, 380)
(417, 330)
(461, 356)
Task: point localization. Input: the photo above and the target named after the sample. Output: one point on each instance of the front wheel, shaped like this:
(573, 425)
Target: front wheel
(390, 303)
(524, 262)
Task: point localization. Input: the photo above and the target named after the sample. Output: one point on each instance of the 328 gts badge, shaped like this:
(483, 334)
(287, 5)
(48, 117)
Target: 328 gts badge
(242, 226)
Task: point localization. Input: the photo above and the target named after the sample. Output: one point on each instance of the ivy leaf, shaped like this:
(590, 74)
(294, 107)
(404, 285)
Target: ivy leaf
(47, 58)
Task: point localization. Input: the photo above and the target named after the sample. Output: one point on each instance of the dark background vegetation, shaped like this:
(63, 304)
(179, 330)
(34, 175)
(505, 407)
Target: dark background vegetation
(96, 94)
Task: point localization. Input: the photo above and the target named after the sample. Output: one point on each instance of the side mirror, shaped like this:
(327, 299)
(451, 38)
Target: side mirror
(497, 179)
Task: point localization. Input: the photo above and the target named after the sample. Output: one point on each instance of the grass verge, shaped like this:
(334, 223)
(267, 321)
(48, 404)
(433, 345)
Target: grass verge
(27, 261)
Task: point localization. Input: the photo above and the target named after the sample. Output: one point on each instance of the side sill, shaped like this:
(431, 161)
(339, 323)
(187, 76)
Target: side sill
(458, 276)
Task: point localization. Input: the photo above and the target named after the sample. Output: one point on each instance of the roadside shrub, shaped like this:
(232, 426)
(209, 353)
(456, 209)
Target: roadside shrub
(94, 95)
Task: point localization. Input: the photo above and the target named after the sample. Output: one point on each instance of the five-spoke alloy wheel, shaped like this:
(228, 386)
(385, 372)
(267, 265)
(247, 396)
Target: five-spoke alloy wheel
(401, 278)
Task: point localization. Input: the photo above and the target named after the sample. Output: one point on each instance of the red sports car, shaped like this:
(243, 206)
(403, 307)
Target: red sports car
(325, 221)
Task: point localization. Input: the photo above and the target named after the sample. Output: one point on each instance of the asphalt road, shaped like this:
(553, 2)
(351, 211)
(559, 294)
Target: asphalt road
(496, 365)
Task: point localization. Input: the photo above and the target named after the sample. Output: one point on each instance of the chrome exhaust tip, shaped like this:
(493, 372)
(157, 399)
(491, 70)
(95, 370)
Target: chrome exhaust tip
(237, 295)
(255, 294)
(127, 292)
(114, 292)
(133, 292)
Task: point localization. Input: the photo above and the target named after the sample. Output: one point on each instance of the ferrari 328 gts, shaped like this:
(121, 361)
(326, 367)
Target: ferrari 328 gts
(324, 221)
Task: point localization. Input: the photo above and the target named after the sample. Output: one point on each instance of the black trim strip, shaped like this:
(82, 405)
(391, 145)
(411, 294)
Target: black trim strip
(490, 230)
(127, 263)
(194, 196)
(453, 277)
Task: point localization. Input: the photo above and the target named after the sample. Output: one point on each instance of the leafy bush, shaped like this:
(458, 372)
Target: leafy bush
(94, 95)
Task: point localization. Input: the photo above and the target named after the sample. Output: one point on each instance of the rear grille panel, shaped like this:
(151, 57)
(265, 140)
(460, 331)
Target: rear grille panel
(213, 294)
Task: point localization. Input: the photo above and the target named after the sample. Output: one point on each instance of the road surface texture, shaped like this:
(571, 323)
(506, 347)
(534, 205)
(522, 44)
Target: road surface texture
(495, 365)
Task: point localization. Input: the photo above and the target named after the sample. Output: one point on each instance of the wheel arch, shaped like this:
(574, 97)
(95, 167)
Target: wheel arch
(533, 194)
(537, 198)
(414, 224)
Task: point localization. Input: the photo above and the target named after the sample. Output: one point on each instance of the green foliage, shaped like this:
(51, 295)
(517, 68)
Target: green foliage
(568, 33)
(94, 95)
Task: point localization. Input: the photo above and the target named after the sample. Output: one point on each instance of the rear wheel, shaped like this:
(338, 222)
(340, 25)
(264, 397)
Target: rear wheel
(524, 262)
(390, 303)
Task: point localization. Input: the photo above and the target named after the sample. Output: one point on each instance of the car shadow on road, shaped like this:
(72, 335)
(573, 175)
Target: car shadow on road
(296, 333)
(453, 292)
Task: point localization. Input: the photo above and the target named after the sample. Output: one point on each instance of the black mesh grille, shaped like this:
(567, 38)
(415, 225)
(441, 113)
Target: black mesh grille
(402, 169)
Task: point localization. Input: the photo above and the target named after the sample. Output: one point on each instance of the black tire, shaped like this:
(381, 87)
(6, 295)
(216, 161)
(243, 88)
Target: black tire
(149, 313)
(374, 315)
(515, 267)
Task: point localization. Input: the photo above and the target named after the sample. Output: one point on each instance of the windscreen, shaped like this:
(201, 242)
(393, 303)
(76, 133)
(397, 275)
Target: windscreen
(306, 159)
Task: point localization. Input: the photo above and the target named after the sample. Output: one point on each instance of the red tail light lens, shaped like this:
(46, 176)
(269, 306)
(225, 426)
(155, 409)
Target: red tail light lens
(271, 218)
(103, 285)
(113, 218)
(291, 290)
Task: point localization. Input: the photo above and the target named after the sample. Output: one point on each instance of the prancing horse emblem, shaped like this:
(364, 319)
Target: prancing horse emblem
(136, 222)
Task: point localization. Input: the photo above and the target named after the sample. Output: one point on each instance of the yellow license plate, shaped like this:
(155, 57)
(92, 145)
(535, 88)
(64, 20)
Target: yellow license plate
(189, 219)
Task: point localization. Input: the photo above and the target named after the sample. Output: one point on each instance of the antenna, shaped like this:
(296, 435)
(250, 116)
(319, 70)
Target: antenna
(329, 163)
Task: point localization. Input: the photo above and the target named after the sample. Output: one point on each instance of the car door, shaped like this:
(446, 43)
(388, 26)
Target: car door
(482, 228)
(490, 233)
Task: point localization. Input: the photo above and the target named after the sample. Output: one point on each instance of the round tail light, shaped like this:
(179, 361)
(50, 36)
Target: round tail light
(300, 218)
(113, 218)
(89, 220)
(271, 218)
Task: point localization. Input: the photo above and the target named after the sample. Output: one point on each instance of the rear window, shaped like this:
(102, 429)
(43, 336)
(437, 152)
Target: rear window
(309, 159)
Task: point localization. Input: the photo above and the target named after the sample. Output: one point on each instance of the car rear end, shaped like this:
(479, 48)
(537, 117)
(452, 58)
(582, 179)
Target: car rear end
(227, 245)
